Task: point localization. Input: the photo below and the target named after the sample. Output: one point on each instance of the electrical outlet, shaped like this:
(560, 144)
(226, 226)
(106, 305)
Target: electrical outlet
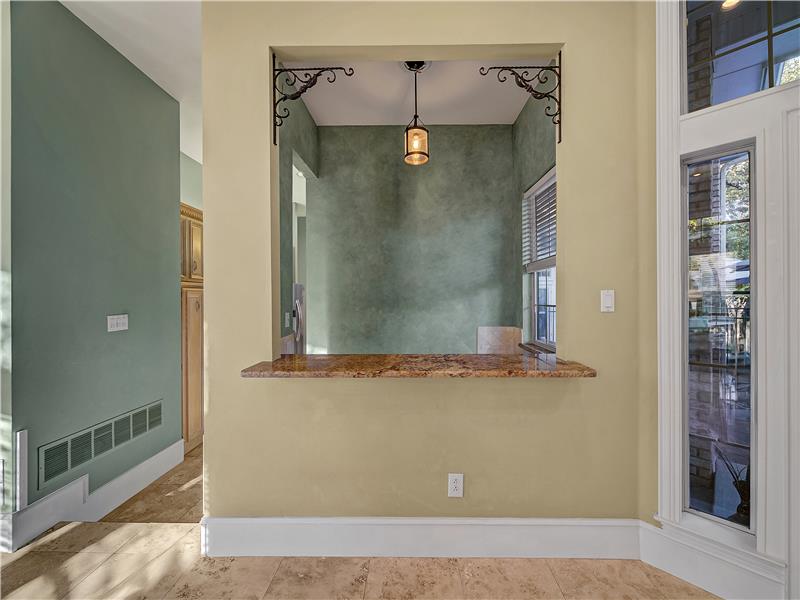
(455, 485)
(287, 319)
(117, 322)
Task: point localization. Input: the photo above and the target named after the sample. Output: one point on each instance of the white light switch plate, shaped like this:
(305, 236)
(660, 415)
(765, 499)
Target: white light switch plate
(117, 322)
(455, 485)
(607, 301)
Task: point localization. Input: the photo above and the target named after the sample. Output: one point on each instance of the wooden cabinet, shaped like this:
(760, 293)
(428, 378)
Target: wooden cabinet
(192, 365)
(191, 239)
(191, 244)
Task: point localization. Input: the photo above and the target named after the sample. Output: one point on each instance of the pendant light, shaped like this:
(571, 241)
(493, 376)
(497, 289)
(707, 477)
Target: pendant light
(416, 135)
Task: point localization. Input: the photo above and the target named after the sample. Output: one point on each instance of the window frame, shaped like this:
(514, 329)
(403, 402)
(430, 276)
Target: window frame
(537, 264)
(749, 146)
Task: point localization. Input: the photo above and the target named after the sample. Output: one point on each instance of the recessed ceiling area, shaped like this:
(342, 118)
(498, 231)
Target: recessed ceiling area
(451, 92)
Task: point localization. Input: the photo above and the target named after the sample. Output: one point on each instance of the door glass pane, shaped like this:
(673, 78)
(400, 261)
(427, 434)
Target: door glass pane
(719, 336)
(786, 48)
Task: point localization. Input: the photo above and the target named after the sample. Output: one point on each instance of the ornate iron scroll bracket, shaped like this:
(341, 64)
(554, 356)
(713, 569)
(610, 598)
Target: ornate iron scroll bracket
(541, 82)
(296, 82)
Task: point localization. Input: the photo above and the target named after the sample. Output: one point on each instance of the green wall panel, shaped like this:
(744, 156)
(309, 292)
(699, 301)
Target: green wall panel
(191, 182)
(94, 213)
(411, 259)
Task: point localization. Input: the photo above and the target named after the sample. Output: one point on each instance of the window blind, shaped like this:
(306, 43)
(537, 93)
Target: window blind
(539, 225)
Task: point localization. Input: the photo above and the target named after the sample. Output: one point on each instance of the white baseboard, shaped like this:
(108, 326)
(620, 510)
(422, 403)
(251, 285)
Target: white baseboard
(713, 566)
(408, 536)
(710, 565)
(73, 502)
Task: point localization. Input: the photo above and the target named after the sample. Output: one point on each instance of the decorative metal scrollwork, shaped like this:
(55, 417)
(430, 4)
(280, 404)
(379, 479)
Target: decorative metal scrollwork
(541, 82)
(299, 81)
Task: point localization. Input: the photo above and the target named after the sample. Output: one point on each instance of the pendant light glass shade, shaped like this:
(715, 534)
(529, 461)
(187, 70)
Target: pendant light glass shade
(416, 136)
(416, 144)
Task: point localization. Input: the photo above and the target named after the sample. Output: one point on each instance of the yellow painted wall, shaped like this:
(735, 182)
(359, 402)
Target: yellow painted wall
(580, 448)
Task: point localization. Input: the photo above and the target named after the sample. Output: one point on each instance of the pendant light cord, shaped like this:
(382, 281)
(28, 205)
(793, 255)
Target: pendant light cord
(416, 115)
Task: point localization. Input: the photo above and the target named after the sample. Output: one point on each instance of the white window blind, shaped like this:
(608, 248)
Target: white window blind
(539, 225)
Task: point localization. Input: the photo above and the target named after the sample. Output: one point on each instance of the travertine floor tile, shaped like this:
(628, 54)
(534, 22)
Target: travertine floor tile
(160, 574)
(603, 579)
(311, 578)
(198, 451)
(672, 587)
(242, 578)
(508, 578)
(193, 515)
(408, 578)
(45, 575)
(188, 471)
(98, 584)
(158, 503)
(153, 539)
(105, 538)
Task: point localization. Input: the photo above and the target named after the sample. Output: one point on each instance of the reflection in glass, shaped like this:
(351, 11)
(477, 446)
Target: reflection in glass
(785, 14)
(737, 52)
(787, 56)
(731, 76)
(711, 31)
(719, 336)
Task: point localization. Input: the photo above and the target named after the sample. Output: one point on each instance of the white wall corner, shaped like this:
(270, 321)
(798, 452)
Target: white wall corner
(73, 502)
(722, 570)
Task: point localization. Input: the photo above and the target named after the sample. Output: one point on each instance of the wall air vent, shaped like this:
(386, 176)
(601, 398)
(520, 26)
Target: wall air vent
(154, 416)
(80, 449)
(62, 455)
(56, 460)
(122, 430)
(139, 419)
(103, 438)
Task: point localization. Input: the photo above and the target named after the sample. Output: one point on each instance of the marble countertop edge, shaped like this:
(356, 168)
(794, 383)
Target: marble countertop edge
(405, 366)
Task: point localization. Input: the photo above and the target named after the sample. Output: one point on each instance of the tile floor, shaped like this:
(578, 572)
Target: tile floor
(177, 497)
(160, 559)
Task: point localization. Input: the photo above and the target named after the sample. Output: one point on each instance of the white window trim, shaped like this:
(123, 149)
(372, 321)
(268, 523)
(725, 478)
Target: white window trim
(544, 181)
(778, 342)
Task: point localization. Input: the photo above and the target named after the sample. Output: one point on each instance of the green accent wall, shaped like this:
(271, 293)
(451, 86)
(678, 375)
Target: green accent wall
(408, 259)
(534, 139)
(299, 145)
(94, 217)
(191, 182)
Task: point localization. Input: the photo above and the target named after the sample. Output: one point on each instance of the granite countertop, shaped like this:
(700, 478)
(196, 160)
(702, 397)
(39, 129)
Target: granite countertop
(418, 365)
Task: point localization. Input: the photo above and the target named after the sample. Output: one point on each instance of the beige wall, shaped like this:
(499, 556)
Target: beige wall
(384, 447)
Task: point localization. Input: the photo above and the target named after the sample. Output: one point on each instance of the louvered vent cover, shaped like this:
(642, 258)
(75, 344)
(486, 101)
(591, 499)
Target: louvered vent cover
(154, 416)
(122, 430)
(56, 460)
(59, 457)
(80, 449)
(139, 422)
(103, 439)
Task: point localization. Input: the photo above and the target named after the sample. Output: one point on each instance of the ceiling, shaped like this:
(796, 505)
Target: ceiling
(163, 39)
(382, 93)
